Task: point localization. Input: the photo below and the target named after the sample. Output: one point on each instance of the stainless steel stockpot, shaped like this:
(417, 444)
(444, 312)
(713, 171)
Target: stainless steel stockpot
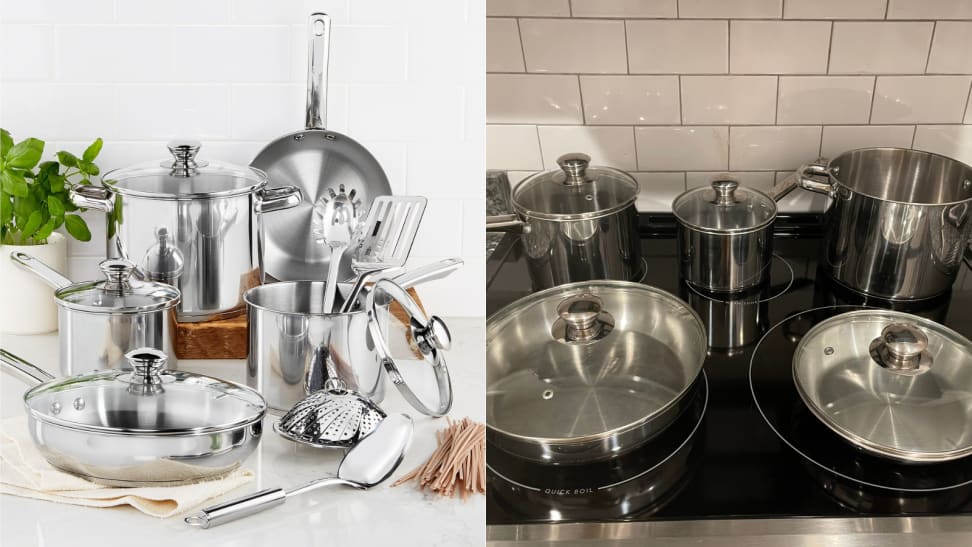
(100, 321)
(145, 427)
(190, 223)
(893, 384)
(578, 223)
(292, 340)
(588, 371)
(900, 220)
(725, 236)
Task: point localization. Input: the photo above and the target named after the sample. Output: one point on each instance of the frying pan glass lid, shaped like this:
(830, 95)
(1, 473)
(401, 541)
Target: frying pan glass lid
(894, 384)
(589, 358)
(147, 400)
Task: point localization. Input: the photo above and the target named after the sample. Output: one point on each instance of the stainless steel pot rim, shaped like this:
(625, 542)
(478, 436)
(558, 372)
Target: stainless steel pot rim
(122, 431)
(249, 295)
(243, 190)
(579, 287)
(102, 310)
(913, 456)
(688, 438)
(569, 217)
(836, 178)
(786, 441)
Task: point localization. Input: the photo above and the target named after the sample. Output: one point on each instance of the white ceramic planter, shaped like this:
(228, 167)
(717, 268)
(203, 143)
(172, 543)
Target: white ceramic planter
(26, 302)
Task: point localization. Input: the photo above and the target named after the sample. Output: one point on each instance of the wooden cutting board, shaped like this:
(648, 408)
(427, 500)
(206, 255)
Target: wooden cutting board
(229, 339)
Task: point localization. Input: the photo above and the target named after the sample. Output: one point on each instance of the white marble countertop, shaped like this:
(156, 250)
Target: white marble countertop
(338, 516)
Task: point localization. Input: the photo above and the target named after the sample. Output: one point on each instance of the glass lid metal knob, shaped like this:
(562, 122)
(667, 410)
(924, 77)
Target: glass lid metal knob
(433, 335)
(147, 365)
(902, 347)
(725, 191)
(575, 166)
(581, 319)
(117, 271)
(184, 152)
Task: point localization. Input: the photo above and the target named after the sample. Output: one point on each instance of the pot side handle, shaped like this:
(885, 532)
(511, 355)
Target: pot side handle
(12, 363)
(33, 265)
(506, 223)
(808, 177)
(92, 197)
(269, 200)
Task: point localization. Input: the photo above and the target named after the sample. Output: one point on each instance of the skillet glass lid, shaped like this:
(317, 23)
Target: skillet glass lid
(588, 358)
(146, 400)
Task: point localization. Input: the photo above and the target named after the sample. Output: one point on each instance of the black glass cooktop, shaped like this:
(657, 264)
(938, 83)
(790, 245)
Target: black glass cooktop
(744, 467)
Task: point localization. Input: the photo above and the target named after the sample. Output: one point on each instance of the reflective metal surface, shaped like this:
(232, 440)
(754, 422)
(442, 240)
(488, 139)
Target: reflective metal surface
(314, 160)
(100, 321)
(899, 223)
(868, 376)
(333, 417)
(206, 245)
(145, 427)
(571, 383)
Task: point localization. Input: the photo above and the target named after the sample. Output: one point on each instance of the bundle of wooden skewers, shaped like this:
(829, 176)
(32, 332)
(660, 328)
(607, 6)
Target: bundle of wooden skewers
(458, 465)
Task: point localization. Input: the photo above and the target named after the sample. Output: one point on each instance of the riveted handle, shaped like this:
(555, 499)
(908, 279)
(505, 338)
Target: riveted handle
(92, 197)
(575, 166)
(319, 30)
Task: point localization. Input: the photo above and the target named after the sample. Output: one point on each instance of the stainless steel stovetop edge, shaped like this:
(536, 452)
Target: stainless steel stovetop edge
(892, 531)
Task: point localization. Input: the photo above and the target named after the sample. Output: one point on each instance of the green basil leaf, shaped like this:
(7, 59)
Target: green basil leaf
(6, 143)
(6, 209)
(77, 227)
(13, 183)
(91, 152)
(89, 168)
(46, 230)
(25, 154)
(56, 184)
(33, 223)
(67, 159)
(55, 205)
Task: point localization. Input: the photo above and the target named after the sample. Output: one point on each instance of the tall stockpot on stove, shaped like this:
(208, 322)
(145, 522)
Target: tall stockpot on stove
(578, 223)
(900, 221)
(190, 223)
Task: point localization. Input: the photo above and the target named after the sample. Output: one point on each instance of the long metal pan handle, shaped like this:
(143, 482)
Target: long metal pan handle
(238, 508)
(12, 363)
(317, 61)
(51, 276)
(428, 272)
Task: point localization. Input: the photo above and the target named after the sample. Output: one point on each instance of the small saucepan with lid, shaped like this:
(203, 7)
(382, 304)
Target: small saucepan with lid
(893, 384)
(144, 427)
(588, 371)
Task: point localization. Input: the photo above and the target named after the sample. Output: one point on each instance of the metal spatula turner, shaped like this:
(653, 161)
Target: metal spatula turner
(385, 238)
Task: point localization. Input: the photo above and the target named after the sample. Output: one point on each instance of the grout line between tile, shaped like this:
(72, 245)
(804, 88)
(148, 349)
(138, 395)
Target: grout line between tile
(830, 45)
(540, 147)
(681, 116)
(776, 110)
(519, 35)
(930, 44)
(870, 113)
(634, 140)
(627, 58)
(914, 134)
(887, 6)
(968, 101)
(728, 47)
(580, 94)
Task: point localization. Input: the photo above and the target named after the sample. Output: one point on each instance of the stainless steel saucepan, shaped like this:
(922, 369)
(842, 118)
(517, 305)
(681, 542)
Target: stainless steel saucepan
(147, 427)
(100, 321)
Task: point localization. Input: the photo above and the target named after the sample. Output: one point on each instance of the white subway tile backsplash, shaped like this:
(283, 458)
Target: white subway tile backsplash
(473, 214)
(581, 45)
(682, 148)
(26, 52)
(842, 138)
(434, 169)
(513, 147)
(834, 9)
(237, 54)
(778, 47)
(825, 99)
(57, 11)
(120, 53)
(728, 99)
(393, 158)
(59, 111)
(968, 108)
(84, 268)
(376, 112)
(777, 148)
(208, 12)
(630, 100)
(678, 47)
(238, 152)
(761, 180)
(533, 98)
(732, 9)
(454, 294)
(503, 53)
(364, 54)
(280, 111)
(613, 146)
(954, 141)
(198, 111)
(438, 234)
(624, 8)
(920, 99)
(658, 190)
(929, 9)
(261, 12)
(442, 12)
(528, 8)
(97, 225)
(880, 47)
(951, 51)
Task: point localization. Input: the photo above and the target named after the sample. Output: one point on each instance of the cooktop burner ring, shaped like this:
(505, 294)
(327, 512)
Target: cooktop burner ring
(755, 296)
(776, 399)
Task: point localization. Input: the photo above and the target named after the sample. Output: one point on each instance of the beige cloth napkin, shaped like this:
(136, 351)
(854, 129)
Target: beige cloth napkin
(24, 472)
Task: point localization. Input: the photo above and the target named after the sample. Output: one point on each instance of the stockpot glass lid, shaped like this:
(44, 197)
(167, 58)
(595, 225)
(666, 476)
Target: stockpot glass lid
(183, 176)
(145, 400)
(575, 190)
(581, 360)
(119, 292)
(724, 206)
(892, 383)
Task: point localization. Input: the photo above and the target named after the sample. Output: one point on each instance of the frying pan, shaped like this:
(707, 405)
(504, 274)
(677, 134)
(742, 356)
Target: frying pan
(313, 159)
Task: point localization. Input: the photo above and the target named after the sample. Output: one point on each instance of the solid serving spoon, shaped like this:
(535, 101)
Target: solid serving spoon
(369, 463)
